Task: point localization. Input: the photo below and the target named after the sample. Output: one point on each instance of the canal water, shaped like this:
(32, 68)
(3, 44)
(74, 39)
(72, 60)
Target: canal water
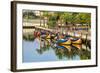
(41, 50)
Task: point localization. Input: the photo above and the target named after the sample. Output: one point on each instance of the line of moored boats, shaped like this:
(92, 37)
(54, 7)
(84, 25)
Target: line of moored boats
(61, 39)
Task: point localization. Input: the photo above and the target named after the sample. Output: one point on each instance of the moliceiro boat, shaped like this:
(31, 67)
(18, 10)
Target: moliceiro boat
(76, 41)
(69, 41)
(64, 42)
(68, 47)
(48, 37)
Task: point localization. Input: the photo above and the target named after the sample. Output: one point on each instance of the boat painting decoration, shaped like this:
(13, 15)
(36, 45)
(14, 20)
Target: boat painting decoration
(53, 35)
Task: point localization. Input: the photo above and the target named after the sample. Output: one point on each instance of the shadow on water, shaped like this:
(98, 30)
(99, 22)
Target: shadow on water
(48, 50)
(73, 51)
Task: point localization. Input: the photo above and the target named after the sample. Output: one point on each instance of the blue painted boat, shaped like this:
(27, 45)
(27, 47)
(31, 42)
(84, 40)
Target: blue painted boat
(61, 47)
(64, 42)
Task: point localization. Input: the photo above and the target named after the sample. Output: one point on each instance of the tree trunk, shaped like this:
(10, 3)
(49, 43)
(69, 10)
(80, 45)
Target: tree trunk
(40, 18)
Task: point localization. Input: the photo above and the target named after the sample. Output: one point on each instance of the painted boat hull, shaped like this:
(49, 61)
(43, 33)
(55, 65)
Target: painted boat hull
(64, 42)
(78, 41)
(48, 37)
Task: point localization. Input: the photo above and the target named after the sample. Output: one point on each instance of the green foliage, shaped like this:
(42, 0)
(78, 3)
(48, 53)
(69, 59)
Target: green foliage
(52, 21)
(63, 17)
(45, 14)
(29, 15)
(84, 18)
(76, 18)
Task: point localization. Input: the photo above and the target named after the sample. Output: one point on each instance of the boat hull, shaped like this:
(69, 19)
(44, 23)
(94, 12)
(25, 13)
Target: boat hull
(78, 41)
(48, 37)
(64, 42)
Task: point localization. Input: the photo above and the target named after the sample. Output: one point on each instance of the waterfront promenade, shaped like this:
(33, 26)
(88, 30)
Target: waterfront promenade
(30, 28)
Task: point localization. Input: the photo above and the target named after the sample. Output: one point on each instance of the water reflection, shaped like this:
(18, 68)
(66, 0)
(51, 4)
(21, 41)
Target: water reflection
(46, 50)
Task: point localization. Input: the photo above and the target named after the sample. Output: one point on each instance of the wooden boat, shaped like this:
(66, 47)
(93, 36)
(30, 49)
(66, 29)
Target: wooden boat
(48, 36)
(76, 41)
(64, 42)
(45, 36)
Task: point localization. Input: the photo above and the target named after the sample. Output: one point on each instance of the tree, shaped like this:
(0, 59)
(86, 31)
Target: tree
(85, 18)
(66, 18)
(29, 14)
(52, 21)
(45, 15)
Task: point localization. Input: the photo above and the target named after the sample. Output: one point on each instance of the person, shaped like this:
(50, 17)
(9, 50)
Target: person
(38, 34)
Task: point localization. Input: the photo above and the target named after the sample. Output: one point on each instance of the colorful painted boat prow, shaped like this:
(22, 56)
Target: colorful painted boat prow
(64, 42)
(77, 41)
